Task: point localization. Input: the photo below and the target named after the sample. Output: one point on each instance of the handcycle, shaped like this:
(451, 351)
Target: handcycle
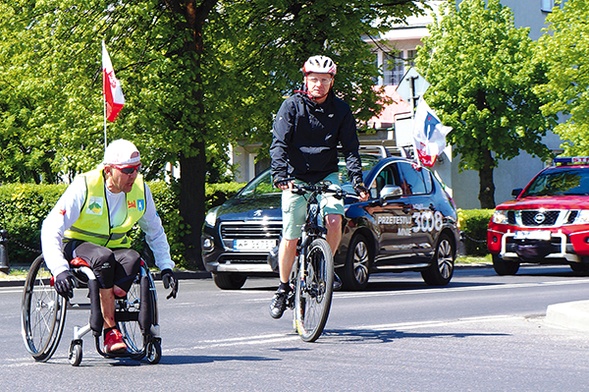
(312, 274)
(44, 314)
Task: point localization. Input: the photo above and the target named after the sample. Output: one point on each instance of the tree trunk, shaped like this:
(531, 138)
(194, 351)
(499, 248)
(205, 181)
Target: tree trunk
(192, 204)
(486, 183)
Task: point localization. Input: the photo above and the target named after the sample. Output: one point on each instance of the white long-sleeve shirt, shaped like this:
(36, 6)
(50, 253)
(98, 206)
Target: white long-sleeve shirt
(67, 211)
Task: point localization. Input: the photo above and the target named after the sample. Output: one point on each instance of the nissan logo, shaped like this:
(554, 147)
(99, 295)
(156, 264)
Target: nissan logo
(539, 218)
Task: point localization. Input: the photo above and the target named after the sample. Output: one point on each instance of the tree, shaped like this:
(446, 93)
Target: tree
(482, 76)
(565, 52)
(197, 76)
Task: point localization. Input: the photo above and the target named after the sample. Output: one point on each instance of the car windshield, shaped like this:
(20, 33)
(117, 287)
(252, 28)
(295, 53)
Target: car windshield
(569, 181)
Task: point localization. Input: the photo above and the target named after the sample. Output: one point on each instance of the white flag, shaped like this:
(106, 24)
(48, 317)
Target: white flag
(429, 135)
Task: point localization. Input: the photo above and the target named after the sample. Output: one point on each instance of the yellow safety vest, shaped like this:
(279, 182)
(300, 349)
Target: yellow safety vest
(93, 225)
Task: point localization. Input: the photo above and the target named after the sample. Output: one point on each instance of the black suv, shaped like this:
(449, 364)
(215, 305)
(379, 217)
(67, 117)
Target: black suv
(408, 224)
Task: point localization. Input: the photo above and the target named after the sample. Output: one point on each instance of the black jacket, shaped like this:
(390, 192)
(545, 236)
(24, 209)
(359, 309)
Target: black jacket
(305, 138)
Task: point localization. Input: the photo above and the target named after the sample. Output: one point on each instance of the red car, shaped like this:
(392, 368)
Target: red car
(548, 222)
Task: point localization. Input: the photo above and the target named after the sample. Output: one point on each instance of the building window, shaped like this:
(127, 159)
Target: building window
(395, 66)
(547, 5)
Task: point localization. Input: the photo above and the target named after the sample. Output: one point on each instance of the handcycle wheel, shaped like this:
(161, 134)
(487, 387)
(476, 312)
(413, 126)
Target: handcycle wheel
(136, 315)
(314, 290)
(42, 312)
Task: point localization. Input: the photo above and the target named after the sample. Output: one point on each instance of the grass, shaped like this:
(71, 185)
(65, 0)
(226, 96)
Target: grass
(467, 259)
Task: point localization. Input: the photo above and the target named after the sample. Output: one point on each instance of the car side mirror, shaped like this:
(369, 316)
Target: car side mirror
(390, 191)
(516, 192)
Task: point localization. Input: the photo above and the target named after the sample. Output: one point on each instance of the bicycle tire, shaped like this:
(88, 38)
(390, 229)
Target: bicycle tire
(314, 290)
(43, 313)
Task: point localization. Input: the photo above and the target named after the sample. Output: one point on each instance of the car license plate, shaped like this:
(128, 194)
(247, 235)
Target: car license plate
(542, 235)
(262, 245)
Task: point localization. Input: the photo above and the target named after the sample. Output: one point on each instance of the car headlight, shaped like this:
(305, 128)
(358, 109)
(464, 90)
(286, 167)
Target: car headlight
(500, 217)
(211, 217)
(582, 218)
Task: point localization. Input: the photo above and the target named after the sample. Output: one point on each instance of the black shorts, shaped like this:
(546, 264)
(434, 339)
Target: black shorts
(111, 266)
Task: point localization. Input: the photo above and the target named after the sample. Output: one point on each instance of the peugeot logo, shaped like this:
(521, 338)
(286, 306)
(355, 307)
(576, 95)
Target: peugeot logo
(539, 218)
(258, 213)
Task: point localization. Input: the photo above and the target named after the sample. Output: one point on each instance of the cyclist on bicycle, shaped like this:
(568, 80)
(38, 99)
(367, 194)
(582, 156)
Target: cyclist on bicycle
(307, 130)
(91, 221)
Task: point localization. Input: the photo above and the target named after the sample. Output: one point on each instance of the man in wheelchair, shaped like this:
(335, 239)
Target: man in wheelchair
(91, 220)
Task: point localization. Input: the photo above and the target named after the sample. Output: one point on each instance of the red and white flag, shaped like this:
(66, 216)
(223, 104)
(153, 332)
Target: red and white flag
(111, 87)
(429, 135)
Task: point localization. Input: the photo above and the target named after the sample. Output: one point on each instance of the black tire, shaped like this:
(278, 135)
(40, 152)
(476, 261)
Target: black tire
(75, 355)
(43, 312)
(314, 290)
(154, 351)
(579, 267)
(229, 281)
(503, 267)
(356, 271)
(129, 312)
(441, 270)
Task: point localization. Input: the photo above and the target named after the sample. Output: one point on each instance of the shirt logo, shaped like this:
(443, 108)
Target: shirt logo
(95, 205)
(139, 204)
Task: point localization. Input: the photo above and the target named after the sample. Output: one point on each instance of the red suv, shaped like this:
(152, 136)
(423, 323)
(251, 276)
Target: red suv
(548, 222)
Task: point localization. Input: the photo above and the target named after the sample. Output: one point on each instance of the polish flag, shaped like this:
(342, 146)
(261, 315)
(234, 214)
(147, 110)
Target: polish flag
(429, 134)
(111, 87)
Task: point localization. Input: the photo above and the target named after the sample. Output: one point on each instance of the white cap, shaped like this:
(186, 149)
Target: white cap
(121, 152)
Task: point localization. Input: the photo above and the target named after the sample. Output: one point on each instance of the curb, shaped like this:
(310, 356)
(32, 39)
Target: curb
(569, 315)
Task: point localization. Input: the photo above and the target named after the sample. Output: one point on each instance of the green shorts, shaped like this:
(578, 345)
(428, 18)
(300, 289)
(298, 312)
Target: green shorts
(294, 208)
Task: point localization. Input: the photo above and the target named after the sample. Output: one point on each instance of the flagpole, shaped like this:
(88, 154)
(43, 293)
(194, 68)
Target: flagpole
(103, 98)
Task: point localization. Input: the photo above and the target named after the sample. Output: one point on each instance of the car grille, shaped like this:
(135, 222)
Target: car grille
(541, 218)
(245, 230)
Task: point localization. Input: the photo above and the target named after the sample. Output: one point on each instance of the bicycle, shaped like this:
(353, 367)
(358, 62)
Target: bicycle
(313, 272)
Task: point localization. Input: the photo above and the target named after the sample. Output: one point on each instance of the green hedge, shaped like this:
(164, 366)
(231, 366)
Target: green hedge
(24, 206)
(473, 224)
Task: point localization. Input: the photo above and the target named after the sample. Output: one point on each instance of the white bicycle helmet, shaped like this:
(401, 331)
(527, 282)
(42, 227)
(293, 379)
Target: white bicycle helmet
(319, 64)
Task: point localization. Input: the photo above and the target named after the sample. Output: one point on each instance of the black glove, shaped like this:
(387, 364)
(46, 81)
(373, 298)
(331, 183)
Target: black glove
(360, 188)
(65, 283)
(170, 281)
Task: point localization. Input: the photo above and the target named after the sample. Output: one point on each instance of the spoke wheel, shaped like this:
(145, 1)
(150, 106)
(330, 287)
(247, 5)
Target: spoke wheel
(43, 313)
(314, 290)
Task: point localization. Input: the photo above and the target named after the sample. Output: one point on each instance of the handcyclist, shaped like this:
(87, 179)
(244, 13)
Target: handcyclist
(91, 221)
(307, 130)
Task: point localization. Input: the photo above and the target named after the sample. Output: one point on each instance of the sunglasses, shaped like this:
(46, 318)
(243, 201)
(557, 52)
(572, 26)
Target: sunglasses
(128, 169)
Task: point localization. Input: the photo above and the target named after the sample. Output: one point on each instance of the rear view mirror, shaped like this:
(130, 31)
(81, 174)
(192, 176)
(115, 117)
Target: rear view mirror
(390, 191)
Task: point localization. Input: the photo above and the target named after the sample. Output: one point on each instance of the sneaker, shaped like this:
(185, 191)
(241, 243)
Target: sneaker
(278, 304)
(337, 282)
(113, 342)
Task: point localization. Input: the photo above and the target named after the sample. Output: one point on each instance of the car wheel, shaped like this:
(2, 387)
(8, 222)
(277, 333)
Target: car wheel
(356, 271)
(440, 272)
(579, 267)
(503, 267)
(229, 281)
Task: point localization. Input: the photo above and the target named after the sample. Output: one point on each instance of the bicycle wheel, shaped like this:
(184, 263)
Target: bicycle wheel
(136, 314)
(314, 290)
(43, 312)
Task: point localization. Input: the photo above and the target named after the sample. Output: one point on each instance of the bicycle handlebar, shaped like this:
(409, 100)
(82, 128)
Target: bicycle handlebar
(320, 187)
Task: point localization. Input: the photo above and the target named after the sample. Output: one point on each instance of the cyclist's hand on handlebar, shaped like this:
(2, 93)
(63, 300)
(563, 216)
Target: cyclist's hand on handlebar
(284, 184)
(170, 282)
(64, 284)
(362, 192)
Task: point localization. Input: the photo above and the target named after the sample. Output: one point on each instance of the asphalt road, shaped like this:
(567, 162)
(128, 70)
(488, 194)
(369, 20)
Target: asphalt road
(481, 333)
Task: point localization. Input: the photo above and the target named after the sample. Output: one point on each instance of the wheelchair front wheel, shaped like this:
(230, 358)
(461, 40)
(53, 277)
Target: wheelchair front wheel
(154, 351)
(76, 353)
(42, 312)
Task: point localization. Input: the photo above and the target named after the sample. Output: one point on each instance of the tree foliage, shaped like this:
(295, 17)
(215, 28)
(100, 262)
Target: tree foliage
(481, 73)
(197, 76)
(565, 51)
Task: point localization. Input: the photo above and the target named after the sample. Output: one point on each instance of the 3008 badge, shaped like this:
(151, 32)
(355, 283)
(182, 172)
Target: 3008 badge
(427, 221)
